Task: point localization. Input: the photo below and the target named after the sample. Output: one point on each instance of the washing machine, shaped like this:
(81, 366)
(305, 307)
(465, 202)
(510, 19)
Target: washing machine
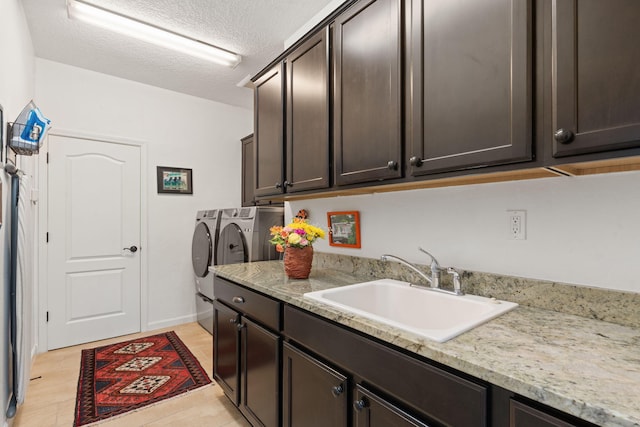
(203, 255)
(244, 234)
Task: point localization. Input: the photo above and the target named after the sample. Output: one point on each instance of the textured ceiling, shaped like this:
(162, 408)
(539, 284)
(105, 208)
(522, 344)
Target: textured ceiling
(255, 29)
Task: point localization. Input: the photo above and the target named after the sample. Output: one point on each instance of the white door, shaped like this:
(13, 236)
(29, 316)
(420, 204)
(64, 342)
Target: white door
(94, 215)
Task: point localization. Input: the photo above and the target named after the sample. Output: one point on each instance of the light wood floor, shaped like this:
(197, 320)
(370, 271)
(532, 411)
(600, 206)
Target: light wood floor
(51, 394)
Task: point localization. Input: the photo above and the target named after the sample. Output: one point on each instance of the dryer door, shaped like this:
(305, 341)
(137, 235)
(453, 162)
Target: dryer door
(201, 250)
(232, 246)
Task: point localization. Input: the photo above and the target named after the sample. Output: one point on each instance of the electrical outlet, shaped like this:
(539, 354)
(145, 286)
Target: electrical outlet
(517, 225)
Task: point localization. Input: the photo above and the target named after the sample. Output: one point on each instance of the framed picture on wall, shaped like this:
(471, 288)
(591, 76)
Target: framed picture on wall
(344, 229)
(174, 180)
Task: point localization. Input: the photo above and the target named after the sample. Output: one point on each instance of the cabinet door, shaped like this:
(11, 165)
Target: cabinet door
(525, 416)
(247, 171)
(226, 350)
(308, 115)
(471, 102)
(373, 411)
(367, 92)
(313, 395)
(260, 363)
(596, 88)
(269, 132)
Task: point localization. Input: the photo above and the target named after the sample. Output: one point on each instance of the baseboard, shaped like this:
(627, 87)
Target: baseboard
(166, 323)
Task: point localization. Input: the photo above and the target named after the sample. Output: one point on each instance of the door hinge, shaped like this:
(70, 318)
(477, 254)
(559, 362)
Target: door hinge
(47, 238)
(47, 157)
(47, 316)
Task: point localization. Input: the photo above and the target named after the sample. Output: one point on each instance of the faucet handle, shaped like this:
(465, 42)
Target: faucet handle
(457, 283)
(434, 261)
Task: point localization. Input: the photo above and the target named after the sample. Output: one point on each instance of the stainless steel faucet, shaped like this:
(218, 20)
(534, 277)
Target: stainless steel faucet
(436, 272)
(435, 269)
(387, 257)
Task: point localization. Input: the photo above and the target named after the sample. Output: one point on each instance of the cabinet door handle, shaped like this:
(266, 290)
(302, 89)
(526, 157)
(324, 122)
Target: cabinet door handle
(337, 390)
(563, 136)
(415, 161)
(233, 320)
(392, 165)
(239, 326)
(287, 184)
(278, 185)
(359, 405)
(237, 300)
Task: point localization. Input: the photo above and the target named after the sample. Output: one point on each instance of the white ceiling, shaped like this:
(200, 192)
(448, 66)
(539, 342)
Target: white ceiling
(255, 29)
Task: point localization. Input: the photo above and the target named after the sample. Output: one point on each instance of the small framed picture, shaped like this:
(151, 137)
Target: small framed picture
(344, 229)
(174, 180)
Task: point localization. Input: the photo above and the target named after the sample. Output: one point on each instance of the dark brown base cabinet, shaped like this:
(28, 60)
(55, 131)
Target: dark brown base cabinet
(316, 395)
(226, 346)
(283, 366)
(313, 394)
(373, 411)
(247, 358)
(522, 415)
(405, 388)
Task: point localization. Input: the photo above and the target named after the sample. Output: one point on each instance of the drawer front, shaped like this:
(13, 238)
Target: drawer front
(258, 307)
(426, 389)
(522, 415)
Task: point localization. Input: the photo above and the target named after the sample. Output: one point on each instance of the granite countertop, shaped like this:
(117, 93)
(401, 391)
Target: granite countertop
(585, 367)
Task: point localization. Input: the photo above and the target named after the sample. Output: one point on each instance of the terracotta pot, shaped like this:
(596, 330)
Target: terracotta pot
(297, 262)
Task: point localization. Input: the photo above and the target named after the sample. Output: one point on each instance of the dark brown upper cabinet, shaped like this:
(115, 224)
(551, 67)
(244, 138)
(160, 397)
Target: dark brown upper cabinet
(308, 132)
(269, 132)
(368, 92)
(248, 198)
(596, 76)
(469, 101)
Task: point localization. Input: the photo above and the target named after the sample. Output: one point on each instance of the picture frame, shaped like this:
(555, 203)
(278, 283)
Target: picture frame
(344, 229)
(173, 180)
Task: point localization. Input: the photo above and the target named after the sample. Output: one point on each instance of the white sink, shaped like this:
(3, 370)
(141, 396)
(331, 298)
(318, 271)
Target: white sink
(433, 315)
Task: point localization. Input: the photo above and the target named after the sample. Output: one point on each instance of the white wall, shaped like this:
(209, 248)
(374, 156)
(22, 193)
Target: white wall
(16, 89)
(581, 230)
(181, 131)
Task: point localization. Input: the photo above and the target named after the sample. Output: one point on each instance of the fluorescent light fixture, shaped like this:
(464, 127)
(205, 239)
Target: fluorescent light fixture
(130, 27)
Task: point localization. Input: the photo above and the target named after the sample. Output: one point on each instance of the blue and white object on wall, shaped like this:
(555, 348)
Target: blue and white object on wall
(29, 130)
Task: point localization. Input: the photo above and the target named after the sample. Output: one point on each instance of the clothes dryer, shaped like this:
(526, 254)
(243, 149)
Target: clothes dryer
(244, 234)
(203, 255)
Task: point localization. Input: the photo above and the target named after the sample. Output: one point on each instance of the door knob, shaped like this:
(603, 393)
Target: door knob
(337, 390)
(132, 249)
(278, 185)
(392, 165)
(359, 405)
(563, 136)
(415, 161)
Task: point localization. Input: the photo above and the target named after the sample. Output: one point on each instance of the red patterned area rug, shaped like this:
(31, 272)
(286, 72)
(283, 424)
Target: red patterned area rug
(118, 378)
